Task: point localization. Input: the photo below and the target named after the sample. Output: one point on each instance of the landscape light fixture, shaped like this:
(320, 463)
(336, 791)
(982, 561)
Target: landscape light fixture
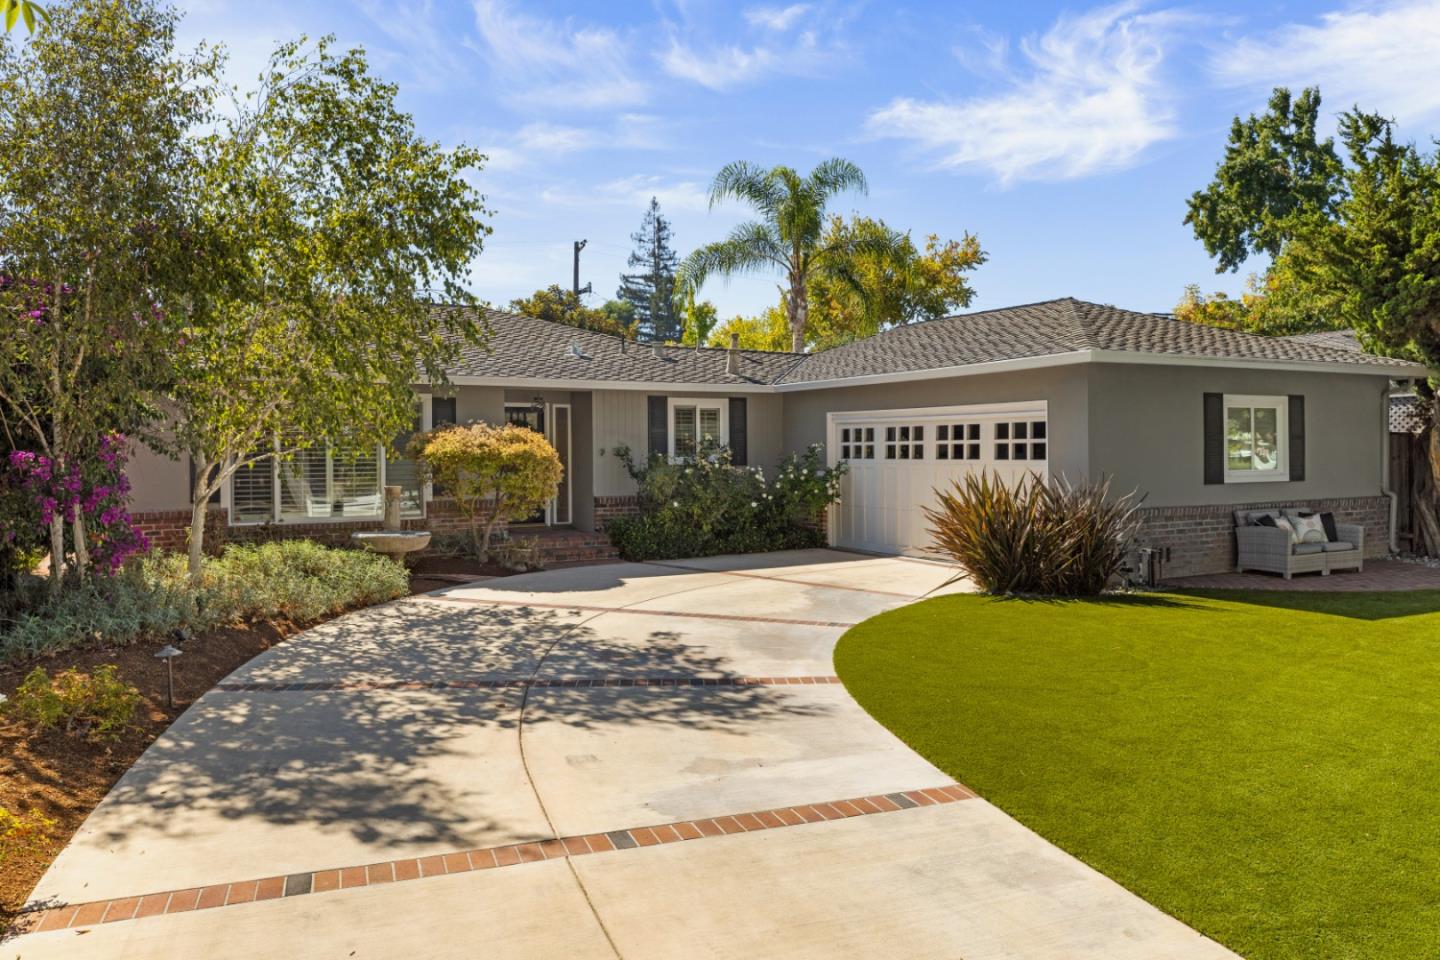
(168, 653)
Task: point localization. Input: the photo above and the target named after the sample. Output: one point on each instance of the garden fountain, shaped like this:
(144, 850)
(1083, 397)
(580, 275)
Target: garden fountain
(391, 540)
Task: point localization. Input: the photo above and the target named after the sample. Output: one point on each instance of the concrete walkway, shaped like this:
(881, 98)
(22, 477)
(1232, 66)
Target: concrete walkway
(633, 760)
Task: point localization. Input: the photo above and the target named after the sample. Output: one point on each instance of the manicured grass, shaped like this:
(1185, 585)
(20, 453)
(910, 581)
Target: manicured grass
(1263, 766)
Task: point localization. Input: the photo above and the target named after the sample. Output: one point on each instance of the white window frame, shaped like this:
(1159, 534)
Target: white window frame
(721, 404)
(1281, 406)
(227, 496)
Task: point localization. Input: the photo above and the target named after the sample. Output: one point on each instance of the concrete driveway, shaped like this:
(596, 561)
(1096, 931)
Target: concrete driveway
(627, 760)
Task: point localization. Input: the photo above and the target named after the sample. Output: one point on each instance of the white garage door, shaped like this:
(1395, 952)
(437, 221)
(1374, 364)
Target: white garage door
(899, 458)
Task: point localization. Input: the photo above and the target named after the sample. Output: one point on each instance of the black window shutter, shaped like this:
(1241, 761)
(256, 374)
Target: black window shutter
(739, 437)
(442, 411)
(1297, 437)
(1214, 438)
(659, 429)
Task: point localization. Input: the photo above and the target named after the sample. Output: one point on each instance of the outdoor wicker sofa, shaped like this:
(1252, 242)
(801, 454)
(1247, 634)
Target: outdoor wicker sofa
(1273, 550)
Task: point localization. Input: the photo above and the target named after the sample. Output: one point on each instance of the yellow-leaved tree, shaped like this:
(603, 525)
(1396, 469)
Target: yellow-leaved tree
(493, 473)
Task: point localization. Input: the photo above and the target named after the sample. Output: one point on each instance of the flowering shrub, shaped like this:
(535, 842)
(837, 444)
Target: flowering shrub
(707, 506)
(96, 490)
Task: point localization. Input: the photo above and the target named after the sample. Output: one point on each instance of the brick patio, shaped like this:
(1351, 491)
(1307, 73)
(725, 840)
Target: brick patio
(1377, 575)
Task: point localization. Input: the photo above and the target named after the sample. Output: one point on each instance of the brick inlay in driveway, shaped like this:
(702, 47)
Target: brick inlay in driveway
(73, 916)
(559, 683)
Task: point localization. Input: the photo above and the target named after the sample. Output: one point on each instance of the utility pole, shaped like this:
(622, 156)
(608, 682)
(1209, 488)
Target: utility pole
(579, 245)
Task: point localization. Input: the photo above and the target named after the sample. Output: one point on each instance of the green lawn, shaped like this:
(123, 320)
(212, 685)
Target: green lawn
(1264, 766)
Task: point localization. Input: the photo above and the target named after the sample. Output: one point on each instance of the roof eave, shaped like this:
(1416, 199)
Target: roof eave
(1394, 371)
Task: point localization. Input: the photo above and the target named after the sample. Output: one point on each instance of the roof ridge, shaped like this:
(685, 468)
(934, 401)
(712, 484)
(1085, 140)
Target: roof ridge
(1089, 339)
(605, 333)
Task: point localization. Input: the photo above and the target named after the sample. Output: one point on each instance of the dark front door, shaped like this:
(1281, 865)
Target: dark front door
(534, 418)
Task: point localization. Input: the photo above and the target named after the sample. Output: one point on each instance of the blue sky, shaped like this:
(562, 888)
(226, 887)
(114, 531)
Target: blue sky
(1066, 137)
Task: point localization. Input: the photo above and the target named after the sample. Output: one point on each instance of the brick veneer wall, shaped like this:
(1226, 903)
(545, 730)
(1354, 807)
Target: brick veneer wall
(1202, 539)
(170, 530)
(608, 508)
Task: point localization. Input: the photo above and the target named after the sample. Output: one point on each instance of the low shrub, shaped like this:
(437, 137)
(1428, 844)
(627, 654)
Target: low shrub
(23, 834)
(1035, 537)
(98, 705)
(296, 579)
(707, 506)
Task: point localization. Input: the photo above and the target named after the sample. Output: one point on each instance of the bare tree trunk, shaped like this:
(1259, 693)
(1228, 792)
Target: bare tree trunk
(57, 553)
(799, 314)
(82, 552)
(490, 522)
(1426, 487)
(196, 544)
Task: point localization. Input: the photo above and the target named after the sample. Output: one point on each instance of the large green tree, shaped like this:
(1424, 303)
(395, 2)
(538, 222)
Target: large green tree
(331, 226)
(565, 306)
(650, 288)
(1275, 168)
(789, 237)
(1355, 243)
(888, 280)
(98, 230)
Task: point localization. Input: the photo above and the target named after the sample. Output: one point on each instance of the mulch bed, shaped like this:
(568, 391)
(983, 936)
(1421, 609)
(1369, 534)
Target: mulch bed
(65, 777)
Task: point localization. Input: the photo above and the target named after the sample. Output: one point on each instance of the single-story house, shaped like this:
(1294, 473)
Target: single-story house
(1202, 421)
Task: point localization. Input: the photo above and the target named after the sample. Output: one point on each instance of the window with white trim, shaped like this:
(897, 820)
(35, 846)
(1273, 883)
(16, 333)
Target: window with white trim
(1256, 435)
(697, 426)
(324, 482)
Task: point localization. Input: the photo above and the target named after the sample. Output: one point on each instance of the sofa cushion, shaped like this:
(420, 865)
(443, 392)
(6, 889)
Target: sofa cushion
(1337, 546)
(1251, 518)
(1309, 529)
(1305, 549)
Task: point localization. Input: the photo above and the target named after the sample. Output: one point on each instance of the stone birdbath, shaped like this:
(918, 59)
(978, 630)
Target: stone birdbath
(392, 540)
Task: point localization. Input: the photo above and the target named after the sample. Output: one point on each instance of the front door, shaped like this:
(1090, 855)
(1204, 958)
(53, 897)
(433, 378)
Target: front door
(532, 416)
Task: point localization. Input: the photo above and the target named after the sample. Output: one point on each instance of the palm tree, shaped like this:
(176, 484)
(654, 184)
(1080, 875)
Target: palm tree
(789, 236)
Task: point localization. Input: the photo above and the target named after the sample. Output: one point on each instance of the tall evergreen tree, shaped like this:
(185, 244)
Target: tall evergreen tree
(651, 288)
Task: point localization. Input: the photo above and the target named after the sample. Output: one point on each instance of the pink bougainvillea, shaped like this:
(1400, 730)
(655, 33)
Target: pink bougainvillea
(96, 490)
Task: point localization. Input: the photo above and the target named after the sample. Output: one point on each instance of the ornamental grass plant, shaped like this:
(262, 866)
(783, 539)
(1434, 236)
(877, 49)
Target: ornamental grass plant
(1035, 537)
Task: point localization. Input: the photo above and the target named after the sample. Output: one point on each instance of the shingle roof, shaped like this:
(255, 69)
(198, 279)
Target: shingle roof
(524, 347)
(1336, 339)
(1056, 327)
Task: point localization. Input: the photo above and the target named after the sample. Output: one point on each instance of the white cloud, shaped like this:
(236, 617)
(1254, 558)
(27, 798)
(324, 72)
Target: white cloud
(784, 50)
(556, 64)
(776, 18)
(1382, 58)
(1089, 98)
(633, 191)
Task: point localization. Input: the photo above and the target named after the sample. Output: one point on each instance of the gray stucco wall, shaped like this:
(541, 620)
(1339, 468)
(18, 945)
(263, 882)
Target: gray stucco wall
(1147, 431)
(480, 403)
(1065, 389)
(157, 483)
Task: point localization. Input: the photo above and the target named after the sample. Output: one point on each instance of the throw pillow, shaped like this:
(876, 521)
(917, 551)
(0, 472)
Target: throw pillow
(1284, 524)
(1308, 529)
(1328, 519)
(1265, 520)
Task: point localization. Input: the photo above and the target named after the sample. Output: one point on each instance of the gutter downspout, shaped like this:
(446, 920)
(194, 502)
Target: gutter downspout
(1385, 395)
